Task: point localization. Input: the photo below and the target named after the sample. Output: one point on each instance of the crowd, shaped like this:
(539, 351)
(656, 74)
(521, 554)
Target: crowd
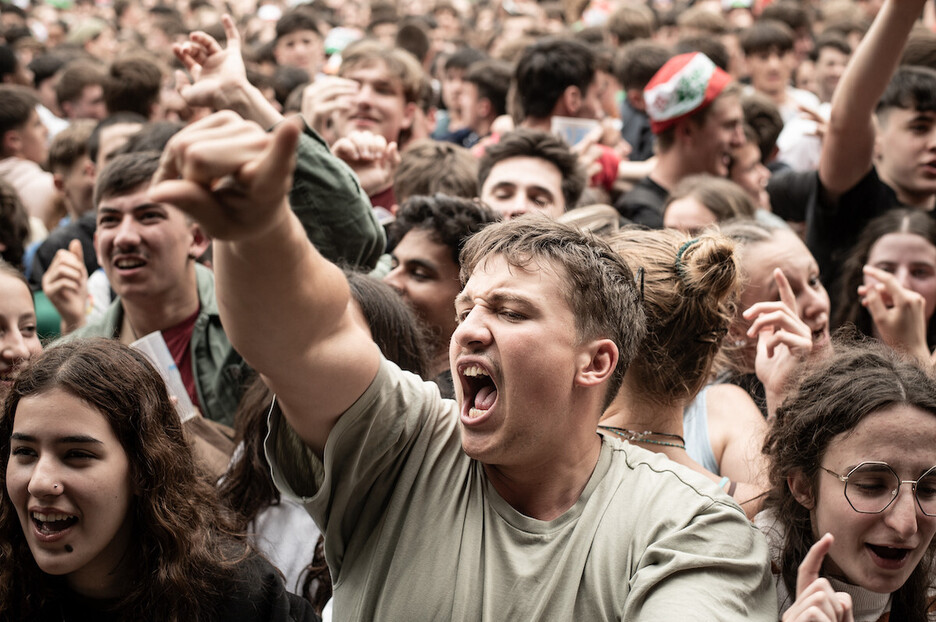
(502, 310)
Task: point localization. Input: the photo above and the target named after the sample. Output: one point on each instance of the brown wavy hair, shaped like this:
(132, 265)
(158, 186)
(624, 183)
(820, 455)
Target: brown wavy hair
(183, 549)
(831, 397)
(689, 288)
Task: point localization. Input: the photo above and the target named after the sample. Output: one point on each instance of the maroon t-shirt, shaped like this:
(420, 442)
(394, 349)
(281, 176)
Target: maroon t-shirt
(179, 340)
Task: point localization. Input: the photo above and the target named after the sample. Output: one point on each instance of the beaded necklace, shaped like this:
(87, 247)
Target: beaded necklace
(641, 437)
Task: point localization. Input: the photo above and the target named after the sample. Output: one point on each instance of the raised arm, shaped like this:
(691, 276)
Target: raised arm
(284, 306)
(219, 78)
(848, 147)
(325, 194)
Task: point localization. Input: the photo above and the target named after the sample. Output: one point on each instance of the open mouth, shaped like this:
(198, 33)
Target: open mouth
(480, 390)
(51, 524)
(889, 558)
(890, 553)
(129, 263)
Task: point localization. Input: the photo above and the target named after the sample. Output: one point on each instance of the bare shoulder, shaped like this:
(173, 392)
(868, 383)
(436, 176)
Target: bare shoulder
(731, 411)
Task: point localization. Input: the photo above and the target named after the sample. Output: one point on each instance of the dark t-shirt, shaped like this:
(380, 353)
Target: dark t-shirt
(832, 227)
(635, 129)
(260, 596)
(644, 204)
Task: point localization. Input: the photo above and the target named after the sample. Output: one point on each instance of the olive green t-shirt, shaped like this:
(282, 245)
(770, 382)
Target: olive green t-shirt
(415, 531)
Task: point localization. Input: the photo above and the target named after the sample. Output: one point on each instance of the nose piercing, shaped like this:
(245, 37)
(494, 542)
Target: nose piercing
(55, 486)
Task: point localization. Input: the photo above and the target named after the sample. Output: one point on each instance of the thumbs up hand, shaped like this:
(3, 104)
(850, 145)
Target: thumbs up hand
(65, 283)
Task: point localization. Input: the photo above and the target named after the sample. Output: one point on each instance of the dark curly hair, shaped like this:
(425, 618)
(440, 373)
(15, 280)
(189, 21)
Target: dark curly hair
(183, 549)
(832, 396)
(449, 220)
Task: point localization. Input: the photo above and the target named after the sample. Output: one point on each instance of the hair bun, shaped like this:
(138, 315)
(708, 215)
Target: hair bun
(708, 267)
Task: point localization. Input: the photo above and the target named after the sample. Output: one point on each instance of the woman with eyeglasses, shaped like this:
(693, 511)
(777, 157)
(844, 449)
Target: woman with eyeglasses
(852, 509)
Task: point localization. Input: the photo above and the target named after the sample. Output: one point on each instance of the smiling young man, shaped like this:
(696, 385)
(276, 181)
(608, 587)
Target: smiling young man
(429, 233)
(390, 84)
(378, 95)
(148, 249)
(505, 504)
(695, 113)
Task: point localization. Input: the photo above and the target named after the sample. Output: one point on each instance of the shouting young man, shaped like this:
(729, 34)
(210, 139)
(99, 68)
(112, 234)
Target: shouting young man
(504, 504)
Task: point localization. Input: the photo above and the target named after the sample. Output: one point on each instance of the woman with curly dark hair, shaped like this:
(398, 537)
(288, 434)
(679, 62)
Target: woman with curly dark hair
(103, 514)
(852, 506)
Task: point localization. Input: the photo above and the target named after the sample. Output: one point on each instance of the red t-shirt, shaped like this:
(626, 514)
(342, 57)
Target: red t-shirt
(179, 340)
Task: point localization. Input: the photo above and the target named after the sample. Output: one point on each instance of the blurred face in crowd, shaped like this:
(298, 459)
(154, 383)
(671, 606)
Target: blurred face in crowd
(303, 49)
(426, 276)
(380, 104)
(804, 77)
(830, 65)
(524, 184)
(770, 70)
(911, 258)
(748, 172)
(784, 250)
(721, 132)
(905, 153)
(452, 85)
(19, 338)
(688, 215)
(77, 184)
(89, 105)
(30, 141)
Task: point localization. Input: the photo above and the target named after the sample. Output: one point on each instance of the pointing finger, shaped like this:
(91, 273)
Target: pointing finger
(811, 565)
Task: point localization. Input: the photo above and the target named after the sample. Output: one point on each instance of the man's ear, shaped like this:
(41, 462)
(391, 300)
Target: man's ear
(58, 181)
(11, 144)
(596, 363)
(484, 107)
(409, 115)
(685, 129)
(802, 489)
(571, 100)
(200, 241)
(636, 99)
